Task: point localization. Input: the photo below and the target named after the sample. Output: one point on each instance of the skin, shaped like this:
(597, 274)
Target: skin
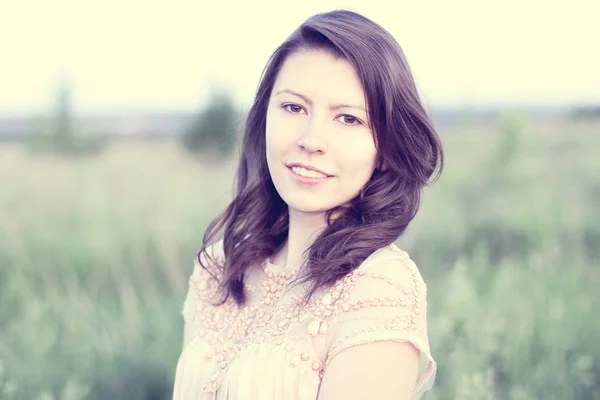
(303, 127)
(306, 128)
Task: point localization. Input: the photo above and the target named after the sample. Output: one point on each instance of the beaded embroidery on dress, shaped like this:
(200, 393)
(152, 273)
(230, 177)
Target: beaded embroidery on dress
(277, 348)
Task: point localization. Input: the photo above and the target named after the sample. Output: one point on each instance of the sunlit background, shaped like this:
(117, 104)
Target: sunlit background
(119, 126)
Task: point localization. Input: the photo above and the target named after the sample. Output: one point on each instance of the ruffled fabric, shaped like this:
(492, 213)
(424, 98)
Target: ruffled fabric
(261, 371)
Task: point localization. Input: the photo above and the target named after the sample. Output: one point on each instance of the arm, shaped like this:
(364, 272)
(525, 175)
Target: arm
(379, 370)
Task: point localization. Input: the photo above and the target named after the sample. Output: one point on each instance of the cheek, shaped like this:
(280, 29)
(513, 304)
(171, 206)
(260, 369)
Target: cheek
(270, 136)
(275, 138)
(357, 155)
(280, 134)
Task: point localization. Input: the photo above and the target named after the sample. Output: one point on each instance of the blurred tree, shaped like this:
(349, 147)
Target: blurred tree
(585, 112)
(214, 130)
(57, 133)
(63, 129)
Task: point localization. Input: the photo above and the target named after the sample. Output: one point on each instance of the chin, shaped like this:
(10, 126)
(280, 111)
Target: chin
(308, 206)
(308, 209)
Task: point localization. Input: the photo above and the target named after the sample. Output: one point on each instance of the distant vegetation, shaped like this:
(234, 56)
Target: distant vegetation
(59, 134)
(95, 254)
(586, 112)
(214, 132)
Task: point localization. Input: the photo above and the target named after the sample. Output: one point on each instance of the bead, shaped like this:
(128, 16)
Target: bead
(304, 356)
(346, 307)
(326, 300)
(214, 377)
(290, 274)
(398, 323)
(316, 365)
(283, 323)
(313, 327)
(223, 364)
(209, 353)
(323, 327)
(295, 361)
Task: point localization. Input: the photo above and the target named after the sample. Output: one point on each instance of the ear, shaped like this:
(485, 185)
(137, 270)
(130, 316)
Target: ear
(382, 166)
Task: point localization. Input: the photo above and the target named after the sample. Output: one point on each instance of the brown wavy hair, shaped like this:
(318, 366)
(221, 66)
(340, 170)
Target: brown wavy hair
(255, 224)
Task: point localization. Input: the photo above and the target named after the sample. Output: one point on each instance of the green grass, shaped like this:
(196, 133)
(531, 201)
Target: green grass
(95, 254)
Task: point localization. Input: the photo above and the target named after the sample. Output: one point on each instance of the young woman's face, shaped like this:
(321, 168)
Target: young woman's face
(317, 117)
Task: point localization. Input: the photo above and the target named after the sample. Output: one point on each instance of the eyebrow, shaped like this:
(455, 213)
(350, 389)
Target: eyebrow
(309, 101)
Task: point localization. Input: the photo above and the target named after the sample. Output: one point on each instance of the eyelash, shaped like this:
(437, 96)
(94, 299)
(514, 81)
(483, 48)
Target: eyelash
(359, 122)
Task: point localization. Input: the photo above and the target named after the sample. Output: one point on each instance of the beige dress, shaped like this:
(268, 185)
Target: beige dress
(276, 348)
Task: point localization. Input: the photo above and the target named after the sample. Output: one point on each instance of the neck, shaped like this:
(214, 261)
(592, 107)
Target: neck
(303, 230)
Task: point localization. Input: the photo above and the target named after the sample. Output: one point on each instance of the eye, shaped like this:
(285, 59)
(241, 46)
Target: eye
(292, 108)
(350, 120)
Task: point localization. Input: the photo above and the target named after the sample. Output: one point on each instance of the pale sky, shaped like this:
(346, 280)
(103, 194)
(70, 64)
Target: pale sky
(157, 54)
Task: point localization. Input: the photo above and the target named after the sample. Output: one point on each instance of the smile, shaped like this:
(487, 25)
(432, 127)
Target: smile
(304, 176)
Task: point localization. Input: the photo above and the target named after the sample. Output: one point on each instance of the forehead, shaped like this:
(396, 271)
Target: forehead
(320, 76)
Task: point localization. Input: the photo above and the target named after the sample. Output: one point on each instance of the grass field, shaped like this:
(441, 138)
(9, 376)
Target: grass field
(95, 254)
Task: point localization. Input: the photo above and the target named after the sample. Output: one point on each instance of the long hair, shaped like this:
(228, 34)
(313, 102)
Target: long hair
(254, 225)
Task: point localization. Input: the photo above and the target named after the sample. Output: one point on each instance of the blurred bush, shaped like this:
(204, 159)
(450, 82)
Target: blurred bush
(213, 133)
(591, 112)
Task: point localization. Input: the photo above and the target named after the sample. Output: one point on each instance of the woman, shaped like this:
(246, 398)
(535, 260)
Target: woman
(305, 296)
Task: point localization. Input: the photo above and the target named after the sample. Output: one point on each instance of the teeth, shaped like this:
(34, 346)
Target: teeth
(305, 172)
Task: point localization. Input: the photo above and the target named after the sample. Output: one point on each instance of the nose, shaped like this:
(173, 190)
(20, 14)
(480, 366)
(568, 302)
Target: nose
(312, 139)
